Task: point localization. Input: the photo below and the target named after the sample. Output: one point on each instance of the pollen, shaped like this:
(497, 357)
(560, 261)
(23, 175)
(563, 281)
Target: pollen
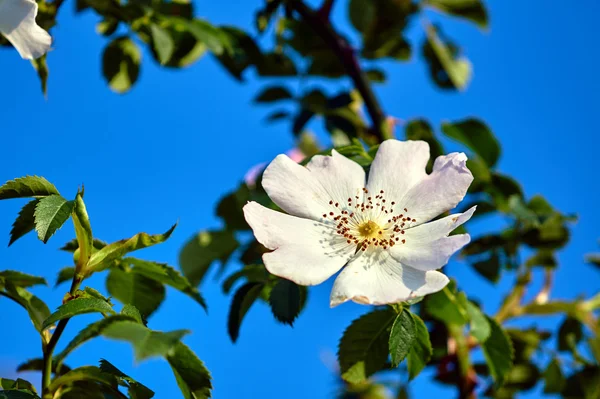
(368, 229)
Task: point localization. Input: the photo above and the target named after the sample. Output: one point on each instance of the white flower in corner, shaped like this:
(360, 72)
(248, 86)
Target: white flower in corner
(378, 230)
(17, 24)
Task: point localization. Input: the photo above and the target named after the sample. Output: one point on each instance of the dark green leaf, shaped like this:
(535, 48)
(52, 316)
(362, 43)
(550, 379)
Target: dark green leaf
(473, 10)
(543, 258)
(73, 245)
(104, 257)
(135, 389)
(202, 250)
(570, 334)
(36, 308)
(364, 347)
(498, 352)
(402, 337)
(121, 64)
(51, 213)
(276, 65)
(489, 268)
(230, 208)
(135, 289)
(28, 186)
(19, 279)
(86, 373)
(361, 13)
(78, 306)
(24, 223)
(38, 364)
(474, 134)
(421, 350)
(65, 274)
(480, 327)
(18, 394)
(554, 380)
(193, 378)
(447, 69)
(375, 75)
(251, 273)
(243, 299)
(583, 384)
(162, 43)
(273, 94)
(286, 300)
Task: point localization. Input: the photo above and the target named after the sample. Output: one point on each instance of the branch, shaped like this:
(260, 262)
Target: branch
(348, 58)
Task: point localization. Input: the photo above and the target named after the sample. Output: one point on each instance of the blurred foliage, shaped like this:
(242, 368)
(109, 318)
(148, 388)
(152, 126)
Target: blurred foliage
(449, 333)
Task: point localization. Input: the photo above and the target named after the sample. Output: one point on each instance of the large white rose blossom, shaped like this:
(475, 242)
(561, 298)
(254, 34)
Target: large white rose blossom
(377, 230)
(17, 24)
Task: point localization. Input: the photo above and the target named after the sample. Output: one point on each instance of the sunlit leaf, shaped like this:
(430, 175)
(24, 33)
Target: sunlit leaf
(78, 306)
(121, 64)
(24, 223)
(402, 336)
(28, 186)
(51, 213)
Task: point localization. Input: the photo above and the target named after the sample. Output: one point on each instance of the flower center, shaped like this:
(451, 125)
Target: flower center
(368, 219)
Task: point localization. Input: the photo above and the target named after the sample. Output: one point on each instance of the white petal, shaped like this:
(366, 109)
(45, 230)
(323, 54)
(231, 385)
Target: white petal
(397, 167)
(428, 246)
(307, 191)
(441, 191)
(17, 24)
(305, 251)
(373, 277)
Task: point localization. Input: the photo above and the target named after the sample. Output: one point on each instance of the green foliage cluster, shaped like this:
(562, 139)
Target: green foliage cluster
(447, 332)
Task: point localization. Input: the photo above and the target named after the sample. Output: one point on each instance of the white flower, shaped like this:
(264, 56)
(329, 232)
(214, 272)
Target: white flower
(17, 24)
(378, 229)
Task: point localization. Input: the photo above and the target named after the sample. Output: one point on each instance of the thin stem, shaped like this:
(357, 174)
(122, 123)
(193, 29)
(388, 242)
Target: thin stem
(49, 350)
(348, 58)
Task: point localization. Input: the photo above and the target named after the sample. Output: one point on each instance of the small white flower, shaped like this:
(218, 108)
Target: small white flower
(17, 24)
(378, 229)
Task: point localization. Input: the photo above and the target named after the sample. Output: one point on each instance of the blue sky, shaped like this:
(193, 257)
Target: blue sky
(170, 148)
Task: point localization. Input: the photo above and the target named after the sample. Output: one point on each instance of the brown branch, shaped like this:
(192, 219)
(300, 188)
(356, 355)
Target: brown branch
(347, 56)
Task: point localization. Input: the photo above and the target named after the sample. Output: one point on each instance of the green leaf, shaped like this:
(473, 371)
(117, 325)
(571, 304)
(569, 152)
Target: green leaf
(230, 208)
(36, 308)
(86, 373)
(542, 258)
(146, 343)
(20, 279)
(38, 364)
(498, 352)
(24, 223)
(447, 306)
(165, 274)
(286, 300)
(570, 334)
(216, 41)
(193, 378)
(18, 394)
(136, 289)
(132, 311)
(162, 43)
(480, 327)
(554, 380)
(28, 186)
(273, 94)
(420, 129)
(65, 274)
(73, 245)
(78, 306)
(121, 64)
(583, 384)
(19, 384)
(473, 10)
(489, 268)
(91, 331)
(50, 214)
(202, 250)
(475, 135)
(446, 68)
(41, 67)
(402, 337)
(421, 350)
(83, 231)
(243, 299)
(364, 347)
(107, 255)
(361, 13)
(135, 389)
(251, 273)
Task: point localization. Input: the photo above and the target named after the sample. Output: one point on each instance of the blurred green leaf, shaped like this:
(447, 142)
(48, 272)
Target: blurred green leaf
(38, 364)
(135, 389)
(264, 15)
(243, 299)
(162, 43)
(28, 186)
(121, 64)
(85, 373)
(489, 268)
(361, 13)
(193, 379)
(475, 134)
(273, 94)
(36, 308)
(479, 325)
(448, 306)
(138, 290)
(554, 380)
(473, 10)
(19, 279)
(65, 274)
(447, 69)
(570, 334)
(287, 300)
(543, 258)
(251, 273)
(364, 347)
(498, 352)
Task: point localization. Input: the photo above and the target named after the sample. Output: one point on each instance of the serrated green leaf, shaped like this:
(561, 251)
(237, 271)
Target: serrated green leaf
(146, 343)
(36, 308)
(162, 43)
(135, 389)
(554, 380)
(480, 328)
(477, 136)
(91, 331)
(243, 299)
(132, 311)
(421, 350)
(498, 352)
(85, 373)
(78, 306)
(473, 10)
(165, 274)
(402, 337)
(105, 256)
(65, 274)
(193, 379)
(121, 64)
(286, 300)
(24, 223)
(50, 214)
(83, 231)
(447, 306)
(202, 250)
(364, 347)
(28, 186)
(19, 279)
(135, 289)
